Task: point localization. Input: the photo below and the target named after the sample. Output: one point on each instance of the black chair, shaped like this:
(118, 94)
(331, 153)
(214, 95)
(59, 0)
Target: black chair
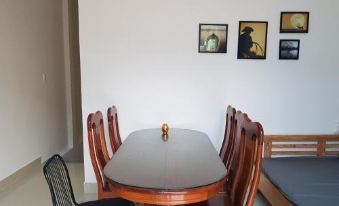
(57, 177)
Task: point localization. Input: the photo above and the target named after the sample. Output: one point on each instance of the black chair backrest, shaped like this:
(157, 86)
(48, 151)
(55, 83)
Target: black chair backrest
(57, 177)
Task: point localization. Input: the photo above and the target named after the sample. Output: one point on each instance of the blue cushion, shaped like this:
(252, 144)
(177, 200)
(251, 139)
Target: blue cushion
(309, 181)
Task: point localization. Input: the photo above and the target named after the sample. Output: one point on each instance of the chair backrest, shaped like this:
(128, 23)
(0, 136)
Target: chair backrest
(227, 144)
(235, 154)
(113, 128)
(248, 160)
(97, 147)
(59, 183)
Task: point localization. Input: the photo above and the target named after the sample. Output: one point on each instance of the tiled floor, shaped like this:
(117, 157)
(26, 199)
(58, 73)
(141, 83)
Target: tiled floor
(34, 191)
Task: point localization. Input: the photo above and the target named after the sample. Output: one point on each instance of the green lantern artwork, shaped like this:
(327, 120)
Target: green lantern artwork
(213, 38)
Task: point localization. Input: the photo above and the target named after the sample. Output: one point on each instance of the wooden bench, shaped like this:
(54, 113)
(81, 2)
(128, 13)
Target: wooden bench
(294, 145)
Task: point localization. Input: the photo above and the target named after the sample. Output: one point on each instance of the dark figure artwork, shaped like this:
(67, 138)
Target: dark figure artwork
(252, 40)
(245, 43)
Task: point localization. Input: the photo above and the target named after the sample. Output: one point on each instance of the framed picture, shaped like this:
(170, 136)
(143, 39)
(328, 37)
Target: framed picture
(289, 49)
(213, 38)
(294, 22)
(252, 39)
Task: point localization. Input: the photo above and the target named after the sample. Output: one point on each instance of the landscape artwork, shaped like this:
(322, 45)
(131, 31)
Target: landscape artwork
(289, 49)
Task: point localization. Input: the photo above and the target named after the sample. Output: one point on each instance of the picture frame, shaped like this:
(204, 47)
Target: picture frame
(252, 39)
(213, 38)
(289, 49)
(294, 22)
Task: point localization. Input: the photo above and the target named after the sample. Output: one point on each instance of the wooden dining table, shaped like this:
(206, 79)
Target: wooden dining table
(180, 169)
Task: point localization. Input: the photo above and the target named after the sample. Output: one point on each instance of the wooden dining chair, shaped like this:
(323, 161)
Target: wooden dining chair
(246, 182)
(227, 144)
(233, 163)
(245, 166)
(98, 152)
(113, 128)
(59, 182)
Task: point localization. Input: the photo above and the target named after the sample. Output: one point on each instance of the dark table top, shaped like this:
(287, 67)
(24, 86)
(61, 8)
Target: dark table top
(186, 160)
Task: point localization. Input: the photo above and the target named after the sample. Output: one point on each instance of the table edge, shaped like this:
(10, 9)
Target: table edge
(172, 128)
(167, 196)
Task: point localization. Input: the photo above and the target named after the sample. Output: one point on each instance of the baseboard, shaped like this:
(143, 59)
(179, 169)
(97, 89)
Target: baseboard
(11, 182)
(62, 152)
(90, 187)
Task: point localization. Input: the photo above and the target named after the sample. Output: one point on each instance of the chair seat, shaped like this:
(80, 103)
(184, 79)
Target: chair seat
(218, 200)
(108, 202)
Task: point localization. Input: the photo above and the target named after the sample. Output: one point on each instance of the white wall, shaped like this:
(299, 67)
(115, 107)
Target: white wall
(33, 112)
(142, 56)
